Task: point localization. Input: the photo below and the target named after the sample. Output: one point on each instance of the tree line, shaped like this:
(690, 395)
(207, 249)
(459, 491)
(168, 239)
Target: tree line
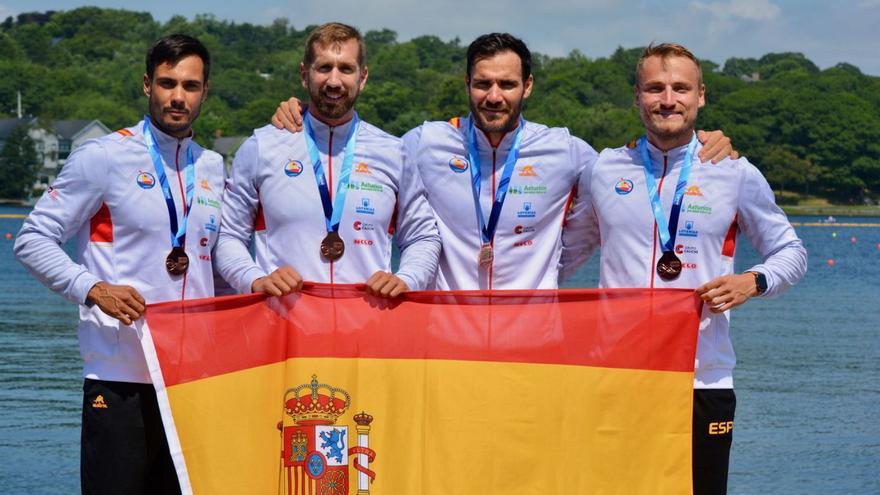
(812, 132)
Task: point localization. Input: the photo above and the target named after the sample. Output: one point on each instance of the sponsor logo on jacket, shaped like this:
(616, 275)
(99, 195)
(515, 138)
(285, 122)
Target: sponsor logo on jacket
(365, 186)
(693, 191)
(523, 229)
(213, 203)
(699, 209)
(682, 249)
(527, 211)
(689, 230)
(205, 185)
(364, 207)
(523, 243)
(358, 226)
(527, 171)
(362, 168)
(211, 226)
(527, 189)
(363, 242)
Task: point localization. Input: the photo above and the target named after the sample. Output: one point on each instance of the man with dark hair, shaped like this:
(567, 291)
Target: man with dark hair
(500, 185)
(127, 198)
(628, 194)
(322, 205)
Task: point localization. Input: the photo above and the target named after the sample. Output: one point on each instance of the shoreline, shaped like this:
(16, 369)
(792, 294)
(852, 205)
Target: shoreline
(833, 210)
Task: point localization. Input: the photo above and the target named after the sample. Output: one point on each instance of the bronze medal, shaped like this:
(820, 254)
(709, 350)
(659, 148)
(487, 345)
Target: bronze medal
(486, 256)
(669, 266)
(177, 261)
(332, 247)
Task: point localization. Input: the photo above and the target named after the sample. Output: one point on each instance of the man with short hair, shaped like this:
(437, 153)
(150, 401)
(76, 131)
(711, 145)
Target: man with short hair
(141, 239)
(322, 205)
(500, 185)
(664, 220)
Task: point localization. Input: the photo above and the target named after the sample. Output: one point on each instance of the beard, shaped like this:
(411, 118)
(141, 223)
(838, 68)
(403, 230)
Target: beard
(503, 123)
(330, 109)
(161, 117)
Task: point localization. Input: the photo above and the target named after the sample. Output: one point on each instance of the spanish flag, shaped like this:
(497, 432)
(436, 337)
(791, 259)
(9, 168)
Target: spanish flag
(331, 391)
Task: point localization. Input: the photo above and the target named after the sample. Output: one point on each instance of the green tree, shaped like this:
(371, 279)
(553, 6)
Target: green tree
(19, 164)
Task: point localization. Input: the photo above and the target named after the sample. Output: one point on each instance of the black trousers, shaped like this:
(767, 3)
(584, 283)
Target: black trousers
(712, 437)
(124, 449)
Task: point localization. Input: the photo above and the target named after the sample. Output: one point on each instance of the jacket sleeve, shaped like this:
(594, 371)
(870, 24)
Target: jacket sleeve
(240, 202)
(769, 231)
(75, 196)
(580, 233)
(417, 234)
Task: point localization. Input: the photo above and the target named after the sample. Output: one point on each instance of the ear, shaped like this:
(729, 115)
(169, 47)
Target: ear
(205, 90)
(146, 85)
(365, 74)
(304, 75)
(636, 95)
(702, 96)
(527, 89)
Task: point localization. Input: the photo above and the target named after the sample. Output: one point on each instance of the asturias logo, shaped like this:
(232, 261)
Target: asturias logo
(623, 187)
(458, 165)
(146, 180)
(293, 168)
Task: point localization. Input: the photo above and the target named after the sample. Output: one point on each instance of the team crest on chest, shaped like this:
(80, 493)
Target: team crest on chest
(458, 164)
(293, 168)
(623, 187)
(146, 180)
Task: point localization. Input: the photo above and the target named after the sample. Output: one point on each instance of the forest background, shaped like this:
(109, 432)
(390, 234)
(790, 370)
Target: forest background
(815, 134)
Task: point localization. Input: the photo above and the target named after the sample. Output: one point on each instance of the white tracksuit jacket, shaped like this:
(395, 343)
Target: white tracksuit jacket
(614, 210)
(274, 197)
(109, 198)
(527, 243)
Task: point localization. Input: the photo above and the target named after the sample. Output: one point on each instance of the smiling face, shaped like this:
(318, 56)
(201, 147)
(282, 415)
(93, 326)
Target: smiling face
(669, 93)
(334, 79)
(176, 92)
(496, 91)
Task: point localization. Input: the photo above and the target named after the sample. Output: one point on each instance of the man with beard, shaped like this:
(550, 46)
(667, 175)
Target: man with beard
(691, 247)
(500, 185)
(322, 205)
(128, 199)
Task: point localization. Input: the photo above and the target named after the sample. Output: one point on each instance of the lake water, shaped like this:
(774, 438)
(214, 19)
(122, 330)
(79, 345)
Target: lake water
(807, 382)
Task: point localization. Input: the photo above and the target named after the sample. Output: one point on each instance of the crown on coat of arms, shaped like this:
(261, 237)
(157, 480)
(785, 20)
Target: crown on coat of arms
(316, 403)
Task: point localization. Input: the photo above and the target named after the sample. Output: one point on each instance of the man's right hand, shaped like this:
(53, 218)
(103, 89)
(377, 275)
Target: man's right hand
(289, 115)
(278, 283)
(122, 302)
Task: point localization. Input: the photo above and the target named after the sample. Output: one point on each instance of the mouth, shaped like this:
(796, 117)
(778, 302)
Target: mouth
(667, 114)
(177, 113)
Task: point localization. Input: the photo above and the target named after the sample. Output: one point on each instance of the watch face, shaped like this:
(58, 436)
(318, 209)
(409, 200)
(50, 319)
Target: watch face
(760, 282)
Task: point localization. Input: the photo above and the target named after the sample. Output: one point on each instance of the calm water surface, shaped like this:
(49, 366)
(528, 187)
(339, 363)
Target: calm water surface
(807, 382)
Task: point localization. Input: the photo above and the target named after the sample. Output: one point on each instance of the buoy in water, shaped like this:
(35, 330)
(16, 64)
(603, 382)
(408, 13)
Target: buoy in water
(830, 261)
(9, 236)
(834, 234)
(852, 239)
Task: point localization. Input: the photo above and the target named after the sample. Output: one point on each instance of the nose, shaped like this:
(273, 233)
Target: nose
(667, 98)
(334, 79)
(493, 96)
(177, 94)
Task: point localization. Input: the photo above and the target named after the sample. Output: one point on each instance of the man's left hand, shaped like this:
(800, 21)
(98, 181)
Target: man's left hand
(716, 146)
(384, 284)
(728, 291)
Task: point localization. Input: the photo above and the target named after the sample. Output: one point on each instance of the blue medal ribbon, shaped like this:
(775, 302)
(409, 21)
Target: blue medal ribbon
(178, 229)
(332, 212)
(666, 230)
(487, 231)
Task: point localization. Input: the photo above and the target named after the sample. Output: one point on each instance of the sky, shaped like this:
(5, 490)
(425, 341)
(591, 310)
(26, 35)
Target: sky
(826, 32)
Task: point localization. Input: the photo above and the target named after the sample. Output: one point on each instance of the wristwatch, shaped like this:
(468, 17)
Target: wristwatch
(760, 282)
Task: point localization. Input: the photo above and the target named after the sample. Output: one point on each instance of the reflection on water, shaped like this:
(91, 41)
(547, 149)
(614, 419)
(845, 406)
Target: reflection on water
(807, 378)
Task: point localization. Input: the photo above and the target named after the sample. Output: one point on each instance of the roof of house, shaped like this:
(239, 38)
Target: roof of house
(68, 129)
(9, 125)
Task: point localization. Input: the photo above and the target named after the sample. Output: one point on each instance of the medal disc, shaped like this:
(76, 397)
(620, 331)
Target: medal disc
(332, 247)
(177, 261)
(669, 266)
(486, 255)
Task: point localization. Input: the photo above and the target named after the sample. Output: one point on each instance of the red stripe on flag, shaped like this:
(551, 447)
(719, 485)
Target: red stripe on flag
(623, 328)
